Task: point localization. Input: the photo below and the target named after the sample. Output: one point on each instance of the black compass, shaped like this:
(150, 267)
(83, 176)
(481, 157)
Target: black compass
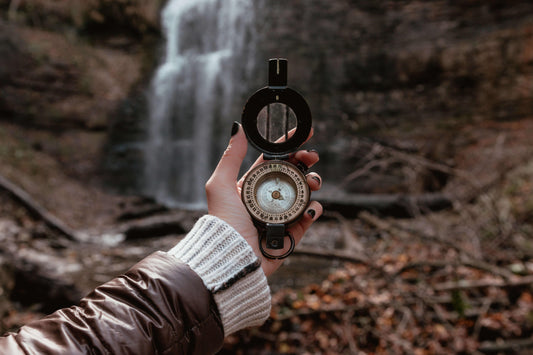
(277, 121)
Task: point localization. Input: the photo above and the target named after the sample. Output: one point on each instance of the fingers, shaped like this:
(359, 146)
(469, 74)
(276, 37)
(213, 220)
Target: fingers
(228, 167)
(314, 181)
(291, 132)
(306, 157)
(313, 212)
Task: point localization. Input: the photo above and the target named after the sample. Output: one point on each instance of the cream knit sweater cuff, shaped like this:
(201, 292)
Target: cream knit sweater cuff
(230, 270)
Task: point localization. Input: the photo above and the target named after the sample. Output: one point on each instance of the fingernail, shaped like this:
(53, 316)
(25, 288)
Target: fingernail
(312, 213)
(312, 151)
(317, 179)
(234, 128)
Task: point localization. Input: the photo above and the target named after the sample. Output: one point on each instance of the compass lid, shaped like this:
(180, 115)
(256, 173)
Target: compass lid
(277, 92)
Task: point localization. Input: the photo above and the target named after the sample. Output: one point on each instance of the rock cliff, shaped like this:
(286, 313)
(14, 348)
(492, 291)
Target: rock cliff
(411, 74)
(418, 77)
(66, 69)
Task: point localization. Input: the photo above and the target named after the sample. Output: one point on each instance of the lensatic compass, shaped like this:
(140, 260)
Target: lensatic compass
(277, 121)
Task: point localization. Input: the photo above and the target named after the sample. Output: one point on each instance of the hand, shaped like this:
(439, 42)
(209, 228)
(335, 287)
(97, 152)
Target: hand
(224, 195)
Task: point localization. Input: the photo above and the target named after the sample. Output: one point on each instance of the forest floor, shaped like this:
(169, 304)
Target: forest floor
(453, 281)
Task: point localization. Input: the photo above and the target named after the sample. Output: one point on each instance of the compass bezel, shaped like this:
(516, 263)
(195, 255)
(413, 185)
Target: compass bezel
(257, 174)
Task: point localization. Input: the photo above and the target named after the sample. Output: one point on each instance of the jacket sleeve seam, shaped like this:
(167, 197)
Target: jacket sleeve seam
(197, 327)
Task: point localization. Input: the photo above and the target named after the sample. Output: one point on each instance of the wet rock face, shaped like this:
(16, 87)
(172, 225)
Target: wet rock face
(127, 17)
(74, 71)
(13, 61)
(385, 63)
(68, 64)
(404, 73)
(412, 70)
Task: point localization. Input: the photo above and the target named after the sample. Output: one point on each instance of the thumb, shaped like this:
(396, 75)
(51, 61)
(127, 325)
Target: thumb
(229, 165)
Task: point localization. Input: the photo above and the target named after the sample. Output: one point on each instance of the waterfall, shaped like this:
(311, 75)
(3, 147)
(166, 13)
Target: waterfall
(195, 95)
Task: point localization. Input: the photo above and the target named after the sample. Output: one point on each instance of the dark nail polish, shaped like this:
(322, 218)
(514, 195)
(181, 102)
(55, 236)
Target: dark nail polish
(312, 213)
(234, 128)
(317, 179)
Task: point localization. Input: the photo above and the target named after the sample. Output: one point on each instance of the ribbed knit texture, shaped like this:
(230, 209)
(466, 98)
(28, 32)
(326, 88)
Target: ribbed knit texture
(230, 269)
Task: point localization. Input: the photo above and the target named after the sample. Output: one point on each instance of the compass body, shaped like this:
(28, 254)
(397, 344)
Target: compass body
(275, 192)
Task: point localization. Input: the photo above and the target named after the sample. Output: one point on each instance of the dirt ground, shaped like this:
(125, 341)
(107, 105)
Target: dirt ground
(452, 281)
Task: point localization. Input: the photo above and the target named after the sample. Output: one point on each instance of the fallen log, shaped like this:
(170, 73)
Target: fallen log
(176, 222)
(36, 280)
(44, 290)
(35, 209)
(397, 205)
(154, 229)
(475, 264)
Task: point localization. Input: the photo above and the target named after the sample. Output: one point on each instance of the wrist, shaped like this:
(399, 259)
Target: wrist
(229, 269)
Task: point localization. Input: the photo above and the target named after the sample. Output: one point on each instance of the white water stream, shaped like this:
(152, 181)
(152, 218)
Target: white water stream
(195, 95)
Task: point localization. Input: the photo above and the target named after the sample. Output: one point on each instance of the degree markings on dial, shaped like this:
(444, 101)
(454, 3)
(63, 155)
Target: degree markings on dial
(300, 198)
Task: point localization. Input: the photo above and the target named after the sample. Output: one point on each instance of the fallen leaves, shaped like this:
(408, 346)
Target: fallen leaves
(414, 298)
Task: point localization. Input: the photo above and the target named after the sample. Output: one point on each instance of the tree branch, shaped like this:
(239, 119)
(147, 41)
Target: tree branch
(35, 209)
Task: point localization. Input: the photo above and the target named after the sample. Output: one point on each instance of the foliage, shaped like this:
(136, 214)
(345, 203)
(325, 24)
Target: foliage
(436, 283)
(412, 299)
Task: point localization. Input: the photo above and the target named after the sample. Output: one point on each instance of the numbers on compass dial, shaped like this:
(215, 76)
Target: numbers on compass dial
(275, 192)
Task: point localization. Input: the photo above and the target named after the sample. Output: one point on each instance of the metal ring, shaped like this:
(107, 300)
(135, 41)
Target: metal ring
(276, 257)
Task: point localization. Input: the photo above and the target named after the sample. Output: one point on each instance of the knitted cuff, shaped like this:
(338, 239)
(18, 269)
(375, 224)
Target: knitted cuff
(230, 269)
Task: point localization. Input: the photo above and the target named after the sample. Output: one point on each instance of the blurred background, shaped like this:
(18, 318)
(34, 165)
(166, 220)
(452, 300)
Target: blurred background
(113, 113)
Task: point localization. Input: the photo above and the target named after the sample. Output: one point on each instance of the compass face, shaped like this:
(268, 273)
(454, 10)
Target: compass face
(275, 192)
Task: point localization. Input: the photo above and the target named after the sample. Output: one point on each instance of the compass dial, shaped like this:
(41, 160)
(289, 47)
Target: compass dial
(275, 192)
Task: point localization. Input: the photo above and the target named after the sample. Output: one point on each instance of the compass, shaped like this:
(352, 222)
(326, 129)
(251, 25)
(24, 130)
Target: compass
(277, 121)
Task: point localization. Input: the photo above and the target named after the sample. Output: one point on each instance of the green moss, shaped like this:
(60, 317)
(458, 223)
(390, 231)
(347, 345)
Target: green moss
(459, 303)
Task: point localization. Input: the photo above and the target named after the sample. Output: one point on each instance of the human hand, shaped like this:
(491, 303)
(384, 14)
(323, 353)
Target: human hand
(224, 195)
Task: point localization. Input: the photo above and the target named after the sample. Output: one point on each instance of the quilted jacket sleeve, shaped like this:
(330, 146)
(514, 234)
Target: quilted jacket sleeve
(160, 306)
(182, 302)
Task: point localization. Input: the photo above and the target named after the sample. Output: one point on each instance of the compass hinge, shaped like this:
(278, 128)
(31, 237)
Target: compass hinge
(267, 156)
(275, 233)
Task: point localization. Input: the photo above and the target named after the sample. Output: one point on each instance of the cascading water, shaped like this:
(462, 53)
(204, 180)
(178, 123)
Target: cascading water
(196, 94)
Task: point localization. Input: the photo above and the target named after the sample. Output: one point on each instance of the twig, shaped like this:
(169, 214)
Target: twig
(359, 259)
(400, 231)
(469, 284)
(360, 172)
(484, 309)
(466, 259)
(350, 239)
(348, 334)
(415, 160)
(506, 347)
(336, 309)
(439, 312)
(475, 264)
(36, 209)
(406, 317)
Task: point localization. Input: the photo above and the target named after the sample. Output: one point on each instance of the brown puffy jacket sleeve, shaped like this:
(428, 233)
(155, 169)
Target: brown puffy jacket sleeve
(160, 306)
